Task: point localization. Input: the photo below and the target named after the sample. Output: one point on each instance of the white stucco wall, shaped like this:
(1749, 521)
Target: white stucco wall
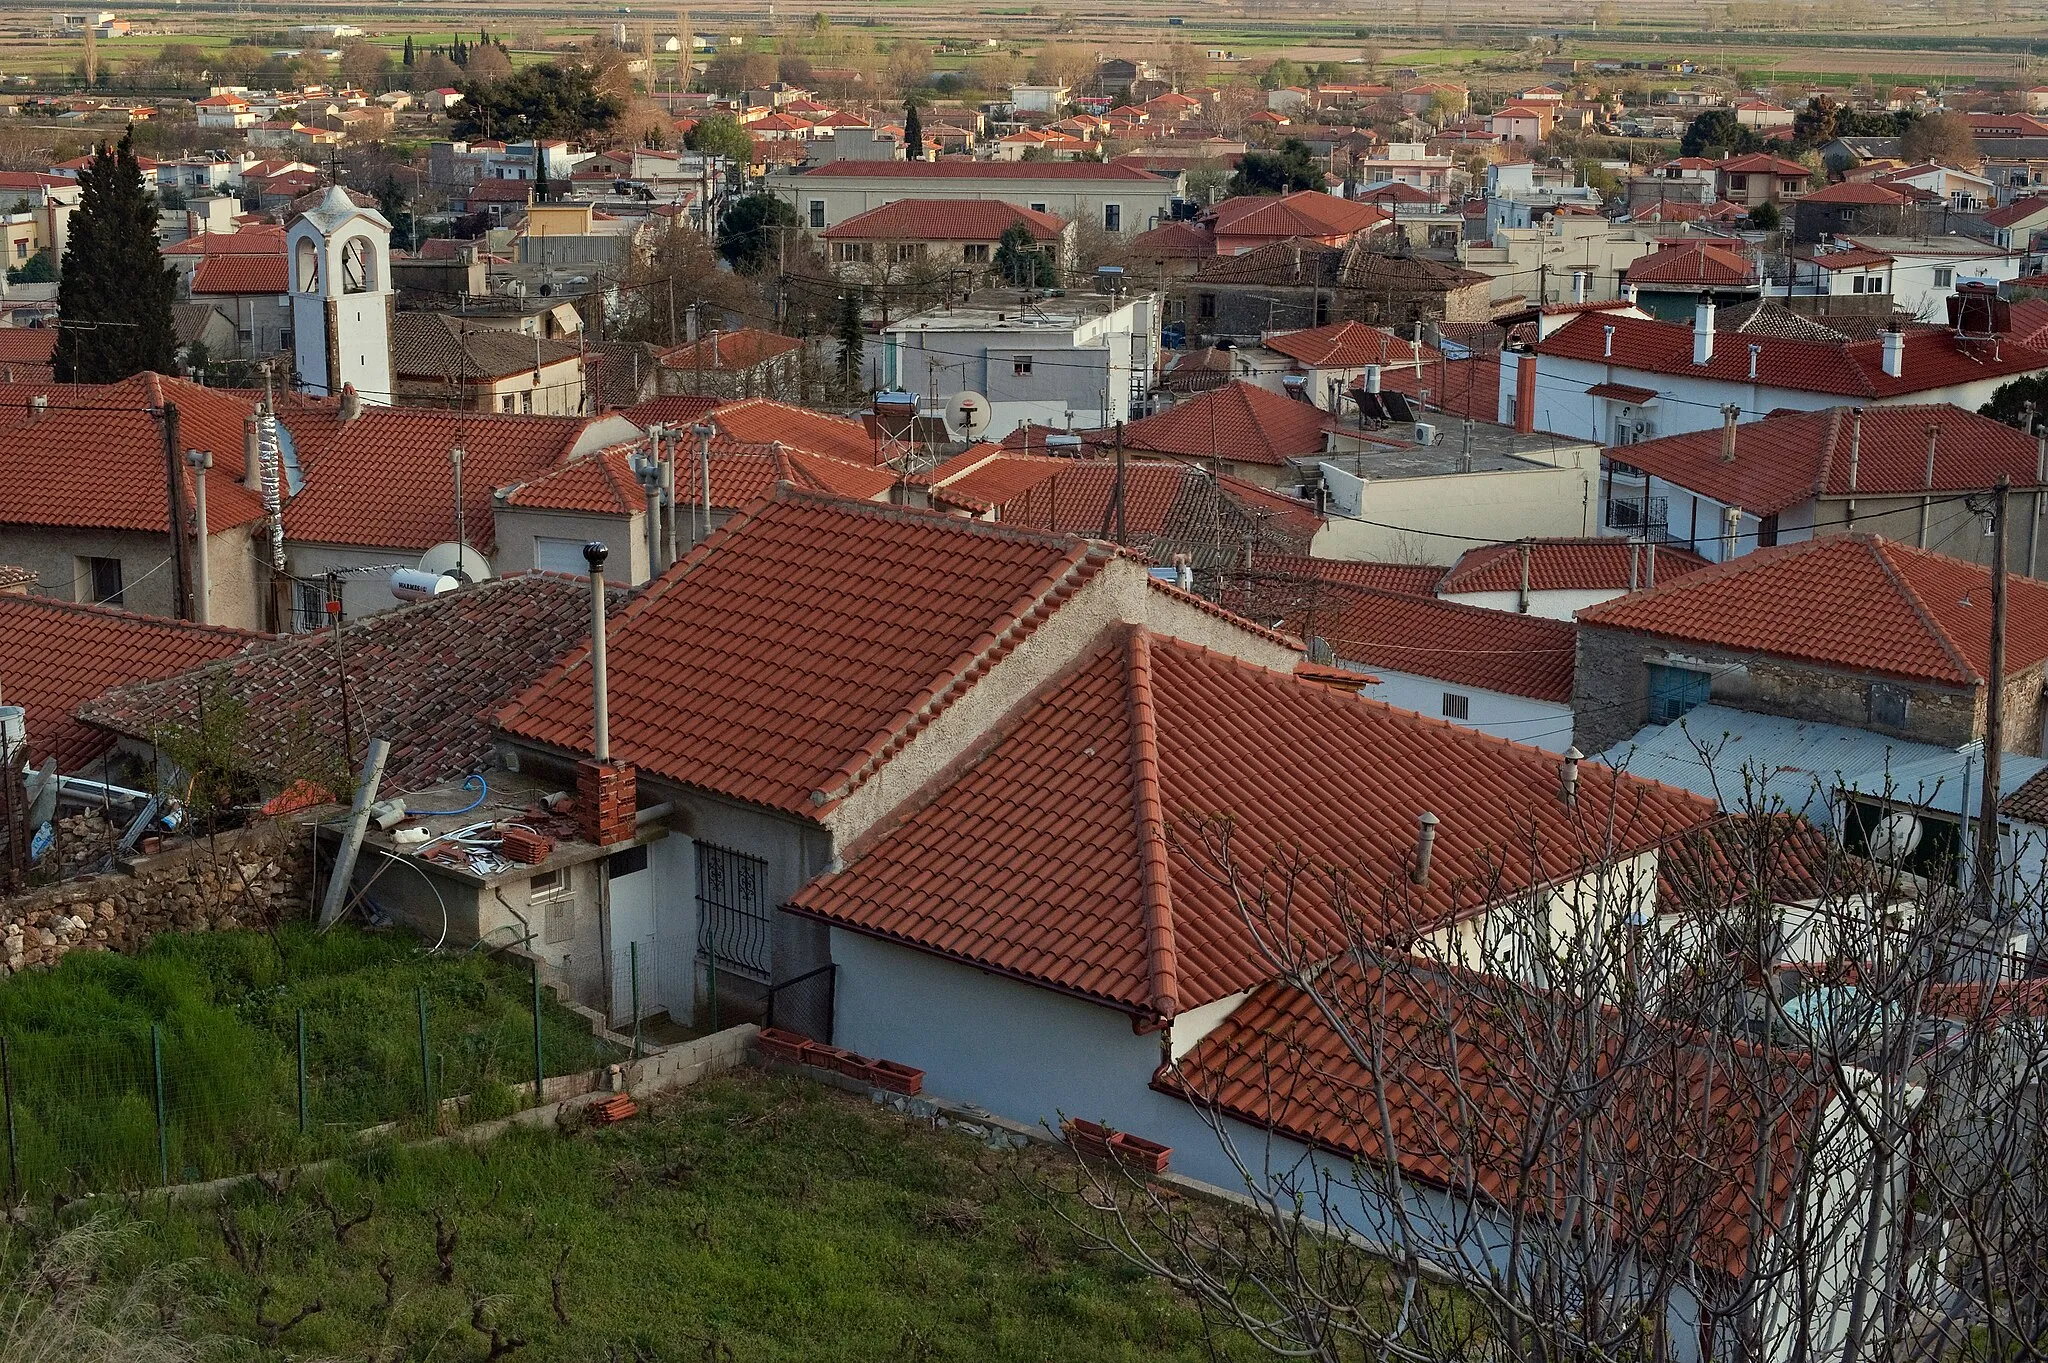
(1557, 605)
(1434, 520)
(1539, 723)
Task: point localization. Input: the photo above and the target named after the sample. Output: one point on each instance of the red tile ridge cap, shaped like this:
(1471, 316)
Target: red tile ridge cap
(1876, 549)
(1036, 602)
(1208, 607)
(1155, 897)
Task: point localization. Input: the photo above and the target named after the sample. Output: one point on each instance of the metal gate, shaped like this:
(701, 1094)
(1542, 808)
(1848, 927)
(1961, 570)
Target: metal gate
(734, 932)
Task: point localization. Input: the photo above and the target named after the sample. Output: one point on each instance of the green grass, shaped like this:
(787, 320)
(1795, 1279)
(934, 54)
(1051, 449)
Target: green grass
(227, 1005)
(750, 1218)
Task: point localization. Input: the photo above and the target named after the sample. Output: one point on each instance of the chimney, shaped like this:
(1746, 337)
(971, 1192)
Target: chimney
(1649, 563)
(1568, 777)
(1425, 842)
(1731, 517)
(606, 803)
(1525, 393)
(1607, 346)
(1729, 412)
(1522, 595)
(1755, 352)
(1703, 330)
(252, 453)
(1895, 353)
(1578, 286)
(1628, 294)
(351, 404)
(1372, 378)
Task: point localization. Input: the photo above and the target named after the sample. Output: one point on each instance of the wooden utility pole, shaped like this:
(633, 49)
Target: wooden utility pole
(1986, 884)
(174, 498)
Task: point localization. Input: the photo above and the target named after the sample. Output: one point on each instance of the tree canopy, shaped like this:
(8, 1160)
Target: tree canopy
(539, 101)
(746, 233)
(2010, 401)
(1282, 171)
(114, 296)
(1019, 261)
(719, 135)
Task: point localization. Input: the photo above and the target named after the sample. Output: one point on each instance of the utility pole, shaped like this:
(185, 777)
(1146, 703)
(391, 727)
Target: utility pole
(1986, 885)
(174, 498)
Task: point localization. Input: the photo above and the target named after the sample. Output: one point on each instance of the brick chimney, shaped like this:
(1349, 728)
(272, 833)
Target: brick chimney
(607, 798)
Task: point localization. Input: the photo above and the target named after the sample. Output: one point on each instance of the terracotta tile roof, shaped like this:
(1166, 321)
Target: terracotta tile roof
(1516, 655)
(762, 420)
(94, 457)
(426, 676)
(1761, 162)
(1715, 867)
(428, 345)
(1280, 262)
(55, 656)
(980, 170)
(785, 658)
(729, 352)
(1563, 565)
(945, 220)
(601, 483)
(1856, 257)
(1695, 263)
(1790, 457)
(1238, 421)
(2017, 212)
(683, 409)
(743, 472)
(1307, 213)
(1069, 854)
(1349, 345)
(1411, 579)
(234, 274)
(1856, 602)
(501, 191)
(993, 481)
(1463, 388)
(26, 352)
(1685, 1128)
(1198, 370)
(1855, 193)
(265, 239)
(1364, 269)
(1933, 357)
(384, 480)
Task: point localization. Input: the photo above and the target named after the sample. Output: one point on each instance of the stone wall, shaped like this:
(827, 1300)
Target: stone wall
(248, 878)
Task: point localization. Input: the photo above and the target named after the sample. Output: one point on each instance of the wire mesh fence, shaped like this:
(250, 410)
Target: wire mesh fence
(121, 1073)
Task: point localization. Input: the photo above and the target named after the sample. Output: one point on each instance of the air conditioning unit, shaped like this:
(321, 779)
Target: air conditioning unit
(1426, 433)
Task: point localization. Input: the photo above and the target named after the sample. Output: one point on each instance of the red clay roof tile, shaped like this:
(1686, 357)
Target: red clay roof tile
(237, 274)
(945, 220)
(1563, 565)
(1517, 655)
(1236, 421)
(1349, 345)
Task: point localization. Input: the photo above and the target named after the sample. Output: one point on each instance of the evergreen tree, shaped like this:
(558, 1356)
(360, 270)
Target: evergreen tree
(913, 131)
(853, 340)
(114, 296)
(407, 59)
(541, 188)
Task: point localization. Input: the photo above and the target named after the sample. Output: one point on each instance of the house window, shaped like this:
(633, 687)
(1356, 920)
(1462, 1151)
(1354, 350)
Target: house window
(1038, 208)
(817, 213)
(975, 253)
(505, 403)
(1457, 706)
(1205, 307)
(1674, 691)
(909, 250)
(548, 884)
(1020, 366)
(526, 401)
(309, 606)
(101, 577)
(1944, 276)
(1767, 531)
(1881, 833)
(1888, 705)
(1112, 217)
(1738, 184)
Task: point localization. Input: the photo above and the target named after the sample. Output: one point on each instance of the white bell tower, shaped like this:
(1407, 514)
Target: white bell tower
(339, 255)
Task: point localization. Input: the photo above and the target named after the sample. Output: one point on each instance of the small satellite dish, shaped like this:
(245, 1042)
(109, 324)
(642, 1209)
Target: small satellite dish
(458, 561)
(968, 415)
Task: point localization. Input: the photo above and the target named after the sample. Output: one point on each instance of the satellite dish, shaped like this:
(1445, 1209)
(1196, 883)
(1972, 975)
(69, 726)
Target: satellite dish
(967, 415)
(1894, 837)
(458, 561)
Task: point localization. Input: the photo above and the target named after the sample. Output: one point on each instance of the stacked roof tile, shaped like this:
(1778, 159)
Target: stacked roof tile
(1516, 655)
(55, 656)
(761, 420)
(730, 351)
(239, 274)
(1238, 422)
(1856, 602)
(1564, 565)
(1349, 345)
(1075, 854)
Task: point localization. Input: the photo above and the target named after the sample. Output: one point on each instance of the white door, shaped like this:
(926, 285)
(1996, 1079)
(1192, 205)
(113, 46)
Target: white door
(632, 937)
(559, 556)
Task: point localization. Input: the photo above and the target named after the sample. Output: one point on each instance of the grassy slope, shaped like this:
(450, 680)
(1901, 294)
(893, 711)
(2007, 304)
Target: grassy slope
(762, 1215)
(79, 1047)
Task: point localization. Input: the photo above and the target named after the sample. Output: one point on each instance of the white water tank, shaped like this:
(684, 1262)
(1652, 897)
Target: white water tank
(14, 731)
(414, 584)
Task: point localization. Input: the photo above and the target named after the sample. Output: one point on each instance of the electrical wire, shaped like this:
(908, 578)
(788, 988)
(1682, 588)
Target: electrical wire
(473, 781)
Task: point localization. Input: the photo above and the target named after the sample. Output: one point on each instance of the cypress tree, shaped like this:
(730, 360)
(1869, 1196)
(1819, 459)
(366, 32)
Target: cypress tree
(913, 131)
(541, 188)
(853, 341)
(408, 50)
(114, 297)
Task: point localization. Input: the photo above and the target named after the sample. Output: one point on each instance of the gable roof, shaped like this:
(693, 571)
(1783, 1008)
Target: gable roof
(1236, 421)
(1761, 162)
(762, 420)
(238, 274)
(783, 659)
(1859, 193)
(1857, 602)
(1933, 357)
(384, 479)
(1413, 579)
(251, 239)
(429, 345)
(743, 472)
(1563, 565)
(1694, 263)
(56, 656)
(1102, 891)
(601, 483)
(1789, 457)
(93, 457)
(1174, 240)
(435, 668)
(1513, 654)
(730, 351)
(948, 169)
(1296, 261)
(1304, 213)
(945, 220)
(2018, 211)
(1348, 345)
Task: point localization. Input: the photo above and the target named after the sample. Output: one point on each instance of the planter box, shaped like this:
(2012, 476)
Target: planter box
(1087, 1138)
(854, 1066)
(1140, 1153)
(788, 1047)
(823, 1056)
(887, 1074)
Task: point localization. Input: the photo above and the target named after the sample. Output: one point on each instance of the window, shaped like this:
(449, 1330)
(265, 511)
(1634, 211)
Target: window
(1457, 706)
(245, 335)
(1020, 366)
(1038, 208)
(1738, 184)
(526, 401)
(309, 606)
(1888, 705)
(626, 863)
(1205, 307)
(908, 251)
(307, 266)
(1112, 217)
(358, 265)
(817, 213)
(101, 578)
(975, 253)
(1767, 531)
(21, 249)
(1674, 691)
(1917, 842)
(548, 884)
(1944, 276)
(505, 403)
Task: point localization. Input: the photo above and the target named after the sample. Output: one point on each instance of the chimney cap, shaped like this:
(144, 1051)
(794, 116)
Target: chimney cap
(595, 553)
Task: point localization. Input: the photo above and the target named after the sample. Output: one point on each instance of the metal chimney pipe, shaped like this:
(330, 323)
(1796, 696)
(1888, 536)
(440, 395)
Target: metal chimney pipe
(1568, 776)
(594, 554)
(1522, 594)
(201, 461)
(1729, 414)
(1425, 843)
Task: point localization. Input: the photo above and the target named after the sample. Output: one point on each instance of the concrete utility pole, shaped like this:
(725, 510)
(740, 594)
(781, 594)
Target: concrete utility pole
(202, 586)
(174, 498)
(1986, 884)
